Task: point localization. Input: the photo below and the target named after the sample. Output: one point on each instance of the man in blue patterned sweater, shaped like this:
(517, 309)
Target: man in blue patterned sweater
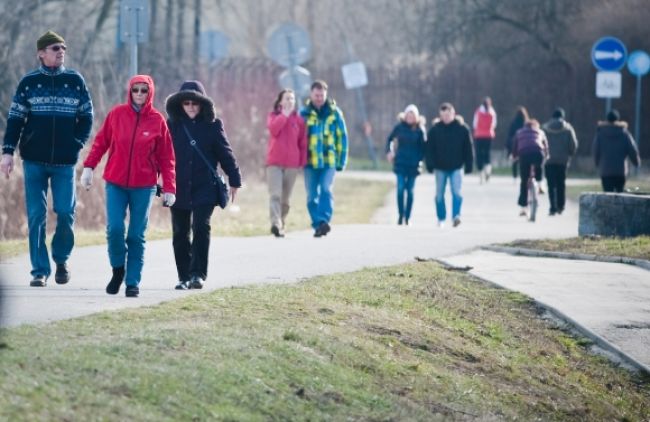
(49, 121)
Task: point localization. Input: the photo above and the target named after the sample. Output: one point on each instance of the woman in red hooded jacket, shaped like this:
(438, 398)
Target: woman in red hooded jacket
(139, 147)
(286, 155)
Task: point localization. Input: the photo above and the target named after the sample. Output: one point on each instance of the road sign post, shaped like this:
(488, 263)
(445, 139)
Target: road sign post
(289, 46)
(608, 55)
(638, 64)
(134, 25)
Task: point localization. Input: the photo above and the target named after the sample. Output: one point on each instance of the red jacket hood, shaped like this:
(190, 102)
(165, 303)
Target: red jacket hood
(142, 79)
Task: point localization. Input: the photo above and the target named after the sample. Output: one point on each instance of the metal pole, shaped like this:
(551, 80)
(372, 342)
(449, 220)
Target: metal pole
(637, 111)
(362, 110)
(637, 119)
(608, 105)
(134, 40)
(292, 72)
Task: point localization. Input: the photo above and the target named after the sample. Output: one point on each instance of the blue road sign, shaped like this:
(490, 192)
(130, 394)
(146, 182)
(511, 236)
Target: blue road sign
(608, 54)
(638, 63)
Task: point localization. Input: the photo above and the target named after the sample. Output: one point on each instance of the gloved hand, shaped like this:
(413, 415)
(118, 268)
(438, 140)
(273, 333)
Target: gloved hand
(168, 199)
(7, 164)
(86, 178)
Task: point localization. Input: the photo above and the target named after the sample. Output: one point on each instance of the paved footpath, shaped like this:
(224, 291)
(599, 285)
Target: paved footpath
(489, 216)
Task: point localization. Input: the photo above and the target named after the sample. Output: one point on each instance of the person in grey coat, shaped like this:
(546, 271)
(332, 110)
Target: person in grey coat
(612, 146)
(562, 145)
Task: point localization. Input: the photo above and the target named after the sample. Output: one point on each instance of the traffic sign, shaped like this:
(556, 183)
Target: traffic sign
(608, 84)
(134, 21)
(297, 78)
(354, 75)
(638, 63)
(608, 54)
(289, 45)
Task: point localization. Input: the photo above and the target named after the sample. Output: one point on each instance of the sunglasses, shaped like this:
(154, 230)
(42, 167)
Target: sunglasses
(190, 103)
(58, 47)
(136, 90)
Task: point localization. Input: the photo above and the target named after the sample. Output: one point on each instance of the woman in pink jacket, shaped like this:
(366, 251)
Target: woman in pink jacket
(286, 155)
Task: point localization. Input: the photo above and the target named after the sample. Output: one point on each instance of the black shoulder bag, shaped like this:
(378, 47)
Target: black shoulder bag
(223, 190)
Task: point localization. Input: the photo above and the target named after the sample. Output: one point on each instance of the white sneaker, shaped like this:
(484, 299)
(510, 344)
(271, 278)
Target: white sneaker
(441, 224)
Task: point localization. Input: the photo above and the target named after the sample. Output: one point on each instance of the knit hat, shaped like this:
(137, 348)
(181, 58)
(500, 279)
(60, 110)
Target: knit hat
(558, 113)
(190, 90)
(613, 115)
(413, 109)
(47, 39)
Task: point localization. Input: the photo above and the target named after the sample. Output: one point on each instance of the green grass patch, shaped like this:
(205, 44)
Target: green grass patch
(409, 342)
(366, 164)
(356, 201)
(631, 247)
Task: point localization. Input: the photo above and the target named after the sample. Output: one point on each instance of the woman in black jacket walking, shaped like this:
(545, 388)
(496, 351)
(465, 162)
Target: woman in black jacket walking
(405, 149)
(192, 118)
(612, 147)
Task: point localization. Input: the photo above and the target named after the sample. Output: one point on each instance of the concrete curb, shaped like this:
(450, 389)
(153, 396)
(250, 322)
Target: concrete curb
(641, 263)
(595, 338)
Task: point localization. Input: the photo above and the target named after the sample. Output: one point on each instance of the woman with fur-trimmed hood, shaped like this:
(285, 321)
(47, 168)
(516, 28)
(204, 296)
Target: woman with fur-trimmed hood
(405, 149)
(191, 113)
(612, 145)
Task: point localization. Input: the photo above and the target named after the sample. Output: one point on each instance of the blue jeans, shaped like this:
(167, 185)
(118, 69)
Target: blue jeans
(61, 181)
(455, 178)
(320, 200)
(405, 184)
(131, 251)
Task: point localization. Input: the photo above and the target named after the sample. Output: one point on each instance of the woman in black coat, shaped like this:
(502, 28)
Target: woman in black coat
(192, 115)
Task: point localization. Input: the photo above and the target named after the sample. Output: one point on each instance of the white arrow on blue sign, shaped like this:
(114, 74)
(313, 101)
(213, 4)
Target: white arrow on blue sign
(609, 54)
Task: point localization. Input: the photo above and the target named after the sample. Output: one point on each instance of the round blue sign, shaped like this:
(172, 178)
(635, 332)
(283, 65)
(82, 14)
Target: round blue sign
(608, 54)
(638, 63)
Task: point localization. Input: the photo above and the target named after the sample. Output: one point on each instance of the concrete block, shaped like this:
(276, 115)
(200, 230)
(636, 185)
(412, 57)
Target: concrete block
(614, 214)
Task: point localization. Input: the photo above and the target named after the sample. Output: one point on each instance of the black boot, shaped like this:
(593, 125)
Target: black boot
(113, 286)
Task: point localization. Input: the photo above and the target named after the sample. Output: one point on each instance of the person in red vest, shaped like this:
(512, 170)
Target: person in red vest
(484, 125)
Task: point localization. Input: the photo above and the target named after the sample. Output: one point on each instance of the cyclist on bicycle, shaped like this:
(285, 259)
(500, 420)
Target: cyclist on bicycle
(531, 148)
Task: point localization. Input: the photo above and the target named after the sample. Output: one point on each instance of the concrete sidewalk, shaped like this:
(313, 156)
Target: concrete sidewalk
(608, 300)
(489, 215)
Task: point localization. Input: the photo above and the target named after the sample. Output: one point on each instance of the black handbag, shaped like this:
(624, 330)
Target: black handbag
(223, 190)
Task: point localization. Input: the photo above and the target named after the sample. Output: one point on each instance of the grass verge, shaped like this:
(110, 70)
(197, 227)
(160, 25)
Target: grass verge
(632, 184)
(630, 247)
(356, 201)
(409, 342)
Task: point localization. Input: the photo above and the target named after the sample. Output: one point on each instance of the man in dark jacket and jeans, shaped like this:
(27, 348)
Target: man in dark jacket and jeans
(562, 145)
(612, 146)
(49, 120)
(448, 149)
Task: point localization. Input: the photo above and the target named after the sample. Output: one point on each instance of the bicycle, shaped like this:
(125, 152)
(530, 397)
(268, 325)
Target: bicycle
(533, 192)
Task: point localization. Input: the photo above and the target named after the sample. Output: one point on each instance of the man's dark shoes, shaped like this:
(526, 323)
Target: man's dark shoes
(62, 274)
(113, 286)
(132, 291)
(182, 285)
(38, 281)
(322, 229)
(196, 283)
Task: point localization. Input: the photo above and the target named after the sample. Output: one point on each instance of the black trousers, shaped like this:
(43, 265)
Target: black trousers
(525, 161)
(613, 183)
(191, 255)
(556, 180)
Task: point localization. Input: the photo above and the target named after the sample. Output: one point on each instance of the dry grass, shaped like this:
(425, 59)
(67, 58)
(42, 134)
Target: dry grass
(631, 247)
(409, 342)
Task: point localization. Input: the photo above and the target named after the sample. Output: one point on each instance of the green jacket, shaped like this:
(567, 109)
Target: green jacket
(327, 136)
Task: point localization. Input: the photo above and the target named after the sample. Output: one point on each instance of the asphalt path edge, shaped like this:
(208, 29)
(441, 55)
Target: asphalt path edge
(641, 263)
